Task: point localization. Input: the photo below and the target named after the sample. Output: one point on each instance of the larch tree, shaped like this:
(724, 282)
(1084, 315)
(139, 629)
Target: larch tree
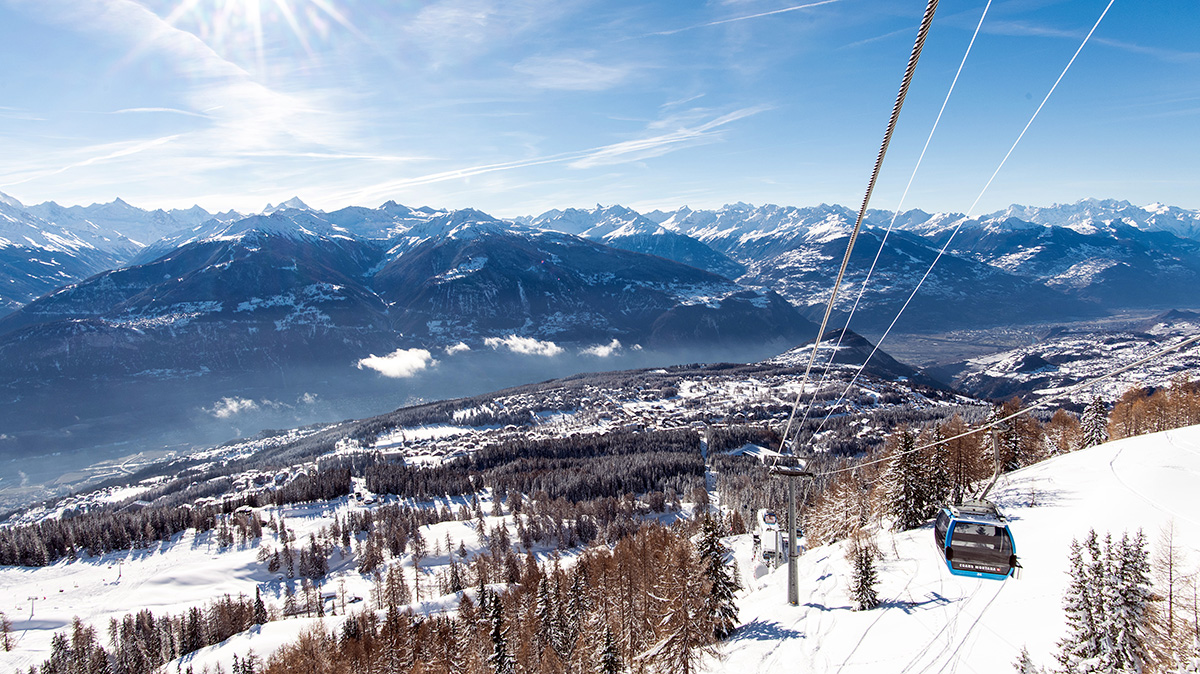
(683, 632)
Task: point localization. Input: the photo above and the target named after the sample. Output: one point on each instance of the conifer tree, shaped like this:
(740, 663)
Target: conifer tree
(455, 579)
(863, 575)
(1093, 426)
(260, 609)
(907, 488)
(1082, 643)
(1130, 570)
(1106, 606)
(1024, 663)
(608, 659)
(501, 660)
(721, 603)
(6, 639)
(940, 478)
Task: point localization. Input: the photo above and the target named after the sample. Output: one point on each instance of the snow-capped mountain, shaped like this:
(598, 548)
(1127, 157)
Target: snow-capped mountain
(217, 304)
(116, 226)
(1113, 265)
(292, 288)
(1086, 217)
(1089, 215)
(37, 256)
(624, 228)
(294, 203)
(796, 252)
(746, 232)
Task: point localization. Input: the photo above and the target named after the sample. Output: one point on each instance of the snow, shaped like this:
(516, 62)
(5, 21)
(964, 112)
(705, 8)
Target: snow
(757, 451)
(929, 620)
(933, 621)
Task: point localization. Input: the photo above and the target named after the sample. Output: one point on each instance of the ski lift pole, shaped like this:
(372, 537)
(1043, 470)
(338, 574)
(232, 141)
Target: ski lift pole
(790, 473)
(996, 431)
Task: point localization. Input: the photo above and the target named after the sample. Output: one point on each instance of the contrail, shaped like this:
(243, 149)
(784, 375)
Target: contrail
(747, 17)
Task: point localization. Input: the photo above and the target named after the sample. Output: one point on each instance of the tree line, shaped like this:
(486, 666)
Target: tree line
(141, 643)
(655, 602)
(111, 530)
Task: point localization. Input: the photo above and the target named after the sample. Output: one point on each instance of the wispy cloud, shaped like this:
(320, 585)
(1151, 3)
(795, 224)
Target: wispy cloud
(251, 117)
(18, 113)
(108, 154)
(1020, 29)
(578, 73)
(687, 131)
(746, 17)
(175, 111)
(660, 144)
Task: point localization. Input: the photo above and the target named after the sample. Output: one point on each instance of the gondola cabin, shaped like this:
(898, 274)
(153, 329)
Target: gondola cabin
(974, 540)
(768, 520)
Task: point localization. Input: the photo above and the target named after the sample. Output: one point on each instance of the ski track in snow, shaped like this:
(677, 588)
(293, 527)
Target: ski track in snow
(1142, 495)
(931, 621)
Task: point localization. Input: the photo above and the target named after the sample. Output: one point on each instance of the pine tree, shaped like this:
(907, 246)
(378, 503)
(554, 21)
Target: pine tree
(455, 579)
(1130, 571)
(260, 609)
(907, 488)
(1081, 642)
(940, 478)
(6, 639)
(721, 603)
(546, 613)
(1106, 606)
(608, 659)
(1024, 663)
(863, 576)
(1094, 424)
(501, 660)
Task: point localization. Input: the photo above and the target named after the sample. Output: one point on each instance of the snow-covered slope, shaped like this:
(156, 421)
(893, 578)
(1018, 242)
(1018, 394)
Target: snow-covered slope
(931, 621)
(37, 256)
(1066, 357)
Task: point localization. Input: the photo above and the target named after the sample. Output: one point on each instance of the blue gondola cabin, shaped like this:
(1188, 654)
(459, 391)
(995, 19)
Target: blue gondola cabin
(974, 540)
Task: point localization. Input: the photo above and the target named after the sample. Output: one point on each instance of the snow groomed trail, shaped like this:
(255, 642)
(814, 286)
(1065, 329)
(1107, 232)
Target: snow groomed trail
(931, 621)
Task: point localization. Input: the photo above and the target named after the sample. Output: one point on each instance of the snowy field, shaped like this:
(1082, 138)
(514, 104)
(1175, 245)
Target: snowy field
(930, 621)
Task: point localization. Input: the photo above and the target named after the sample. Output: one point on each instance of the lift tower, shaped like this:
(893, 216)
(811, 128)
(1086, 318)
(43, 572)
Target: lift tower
(790, 473)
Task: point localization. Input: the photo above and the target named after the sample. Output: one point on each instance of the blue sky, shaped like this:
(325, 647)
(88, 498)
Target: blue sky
(518, 106)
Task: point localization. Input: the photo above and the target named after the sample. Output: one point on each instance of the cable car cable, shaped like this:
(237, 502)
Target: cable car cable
(967, 216)
(896, 214)
(922, 33)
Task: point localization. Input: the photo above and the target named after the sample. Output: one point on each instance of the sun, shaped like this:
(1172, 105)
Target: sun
(242, 29)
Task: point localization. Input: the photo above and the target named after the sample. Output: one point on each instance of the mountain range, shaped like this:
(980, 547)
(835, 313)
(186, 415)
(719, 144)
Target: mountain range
(112, 289)
(294, 287)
